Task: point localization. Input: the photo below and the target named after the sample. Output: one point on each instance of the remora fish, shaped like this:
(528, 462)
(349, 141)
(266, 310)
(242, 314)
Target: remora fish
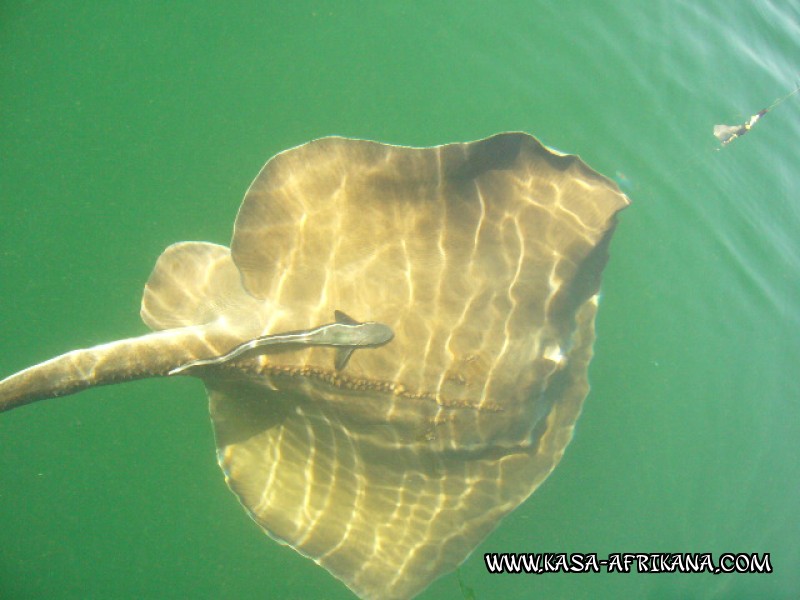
(346, 334)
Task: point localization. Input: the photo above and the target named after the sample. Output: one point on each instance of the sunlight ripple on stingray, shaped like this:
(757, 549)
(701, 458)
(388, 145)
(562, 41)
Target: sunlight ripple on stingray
(483, 260)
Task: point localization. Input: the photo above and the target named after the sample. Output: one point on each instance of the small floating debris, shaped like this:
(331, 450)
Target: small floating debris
(727, 133)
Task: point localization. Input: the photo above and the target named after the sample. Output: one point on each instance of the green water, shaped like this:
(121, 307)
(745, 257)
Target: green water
(127, 126)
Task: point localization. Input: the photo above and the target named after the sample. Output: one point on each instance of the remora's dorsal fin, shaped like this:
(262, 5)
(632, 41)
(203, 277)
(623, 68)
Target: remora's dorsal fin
(343, 355)
(342, 317)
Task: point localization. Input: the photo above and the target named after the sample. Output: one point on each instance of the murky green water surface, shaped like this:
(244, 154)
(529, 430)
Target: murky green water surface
(126, 126)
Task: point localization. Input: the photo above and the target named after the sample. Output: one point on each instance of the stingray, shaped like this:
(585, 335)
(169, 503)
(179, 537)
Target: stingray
(478, 267)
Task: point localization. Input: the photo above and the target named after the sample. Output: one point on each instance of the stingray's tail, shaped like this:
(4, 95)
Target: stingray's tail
(151, 355)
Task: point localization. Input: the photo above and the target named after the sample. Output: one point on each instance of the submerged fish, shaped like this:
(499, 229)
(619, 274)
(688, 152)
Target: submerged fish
(346, 334)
